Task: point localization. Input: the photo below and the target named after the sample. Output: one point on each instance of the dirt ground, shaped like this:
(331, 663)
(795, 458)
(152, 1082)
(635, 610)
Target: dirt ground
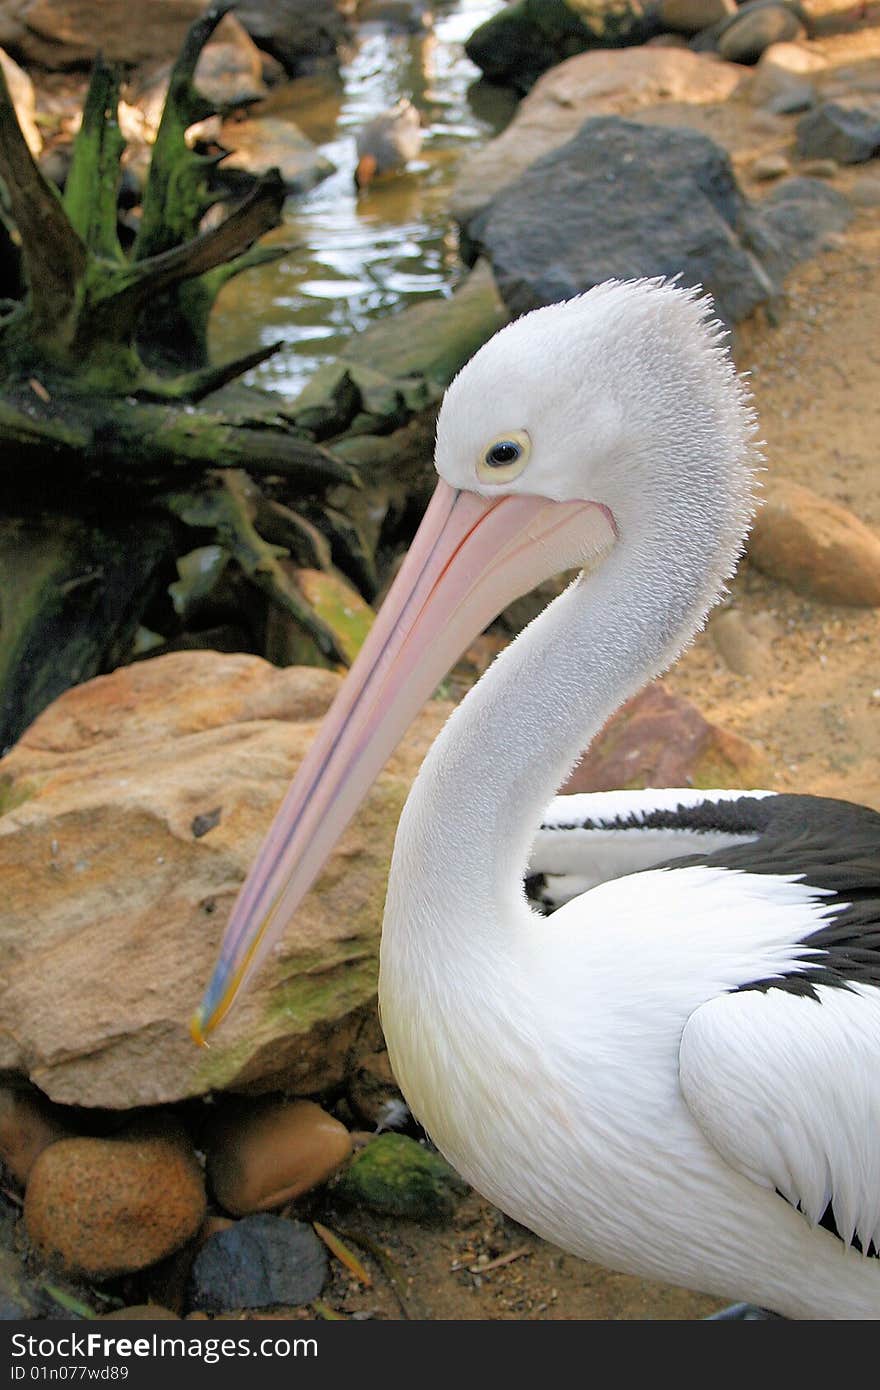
(815, 374)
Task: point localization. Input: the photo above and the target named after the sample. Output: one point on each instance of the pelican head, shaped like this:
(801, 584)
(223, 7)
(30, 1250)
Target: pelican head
(608, 429)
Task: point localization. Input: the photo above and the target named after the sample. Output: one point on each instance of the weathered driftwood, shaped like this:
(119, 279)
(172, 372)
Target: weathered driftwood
(103, 373)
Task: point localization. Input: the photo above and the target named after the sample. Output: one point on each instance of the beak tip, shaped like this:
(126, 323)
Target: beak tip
(197, 1029)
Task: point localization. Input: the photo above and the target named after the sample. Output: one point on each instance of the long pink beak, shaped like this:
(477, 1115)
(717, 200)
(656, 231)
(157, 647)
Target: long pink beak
(471, 557)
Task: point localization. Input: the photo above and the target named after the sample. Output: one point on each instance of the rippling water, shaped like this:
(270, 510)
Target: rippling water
(361, 257)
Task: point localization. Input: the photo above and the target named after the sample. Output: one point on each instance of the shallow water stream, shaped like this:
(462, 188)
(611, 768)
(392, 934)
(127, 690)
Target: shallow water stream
(360, 257)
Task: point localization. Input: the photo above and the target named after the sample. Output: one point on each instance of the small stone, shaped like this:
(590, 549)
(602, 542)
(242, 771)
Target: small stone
(261, 1262)
(820, 168)
(815, 546)
(28, 1124)
(846, 129)
(690, 16)
(399, 1177)
(770, 166)
(658, 739)
(798, 96)
(754, 28)
(261, 1155)
(796, 58)
(101, 1207)
(739, 645)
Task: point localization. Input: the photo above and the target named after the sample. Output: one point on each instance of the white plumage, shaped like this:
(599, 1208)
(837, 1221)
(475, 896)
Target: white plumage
(673, 1074)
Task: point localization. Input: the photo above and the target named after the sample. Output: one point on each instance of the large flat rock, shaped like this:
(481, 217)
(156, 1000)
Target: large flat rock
(132, 809)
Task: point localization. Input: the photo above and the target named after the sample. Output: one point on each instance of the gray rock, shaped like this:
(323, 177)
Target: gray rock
(606, 82)
(299, 33)
(754, 28)
(793, 222)
(846, 129)
(261, 1262)
(622, 200)
(789, 100)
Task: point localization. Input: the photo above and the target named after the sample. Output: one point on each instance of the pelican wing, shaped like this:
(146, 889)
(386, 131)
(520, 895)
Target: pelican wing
(785, 1083)
(590, 837)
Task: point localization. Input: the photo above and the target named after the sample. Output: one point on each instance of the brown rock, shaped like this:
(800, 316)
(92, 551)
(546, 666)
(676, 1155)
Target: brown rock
(113, 904)
(28, 1124)
(60, 34)
(800, 59)
(658, 739)
(100, 1207)
(605, 82)
(815, 546)
(261, 1155)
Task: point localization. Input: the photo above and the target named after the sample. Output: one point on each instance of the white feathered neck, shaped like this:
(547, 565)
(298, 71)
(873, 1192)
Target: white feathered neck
(630, 400)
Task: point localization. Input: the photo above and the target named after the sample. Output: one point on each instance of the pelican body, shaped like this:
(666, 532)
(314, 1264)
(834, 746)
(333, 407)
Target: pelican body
(676, 1073)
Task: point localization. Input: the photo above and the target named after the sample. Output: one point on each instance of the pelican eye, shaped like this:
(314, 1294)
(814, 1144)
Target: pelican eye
(504, 458)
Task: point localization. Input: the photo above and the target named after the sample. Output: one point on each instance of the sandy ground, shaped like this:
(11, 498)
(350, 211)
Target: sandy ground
(815, 373)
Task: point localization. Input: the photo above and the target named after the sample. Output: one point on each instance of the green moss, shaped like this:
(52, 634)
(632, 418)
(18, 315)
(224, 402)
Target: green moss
(340, 606)
(14, 794)
(398, 1177)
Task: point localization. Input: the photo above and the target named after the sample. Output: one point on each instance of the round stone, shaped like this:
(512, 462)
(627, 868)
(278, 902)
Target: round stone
(262, 1155)
(101, 1207)
(754, 29)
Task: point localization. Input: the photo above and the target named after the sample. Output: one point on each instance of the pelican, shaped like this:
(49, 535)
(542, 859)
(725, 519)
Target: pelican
(677, 1073)
(388, 142)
